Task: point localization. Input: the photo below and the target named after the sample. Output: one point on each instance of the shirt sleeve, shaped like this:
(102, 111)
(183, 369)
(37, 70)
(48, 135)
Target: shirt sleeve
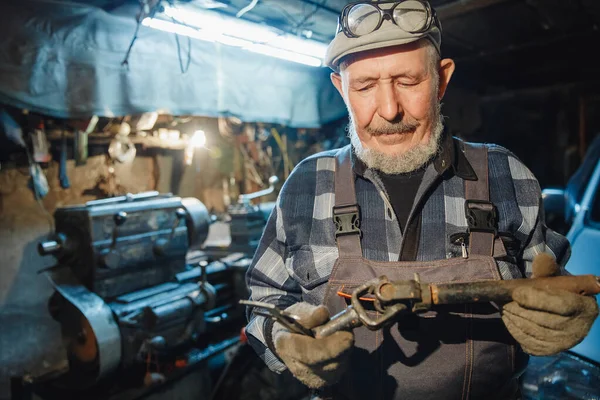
(540, 238)
(269, 281)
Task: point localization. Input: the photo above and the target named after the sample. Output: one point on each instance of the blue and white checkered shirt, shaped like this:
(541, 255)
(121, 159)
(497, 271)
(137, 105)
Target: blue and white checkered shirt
(297, 251)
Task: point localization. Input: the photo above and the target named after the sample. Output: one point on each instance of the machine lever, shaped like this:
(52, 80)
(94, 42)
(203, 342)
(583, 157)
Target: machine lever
(119, 219)
(162, 244)
(112, 257)
(245, 198)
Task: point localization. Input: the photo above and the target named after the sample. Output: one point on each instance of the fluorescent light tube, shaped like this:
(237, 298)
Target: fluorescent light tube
(215, 27)
(284, 54)
(193, 32)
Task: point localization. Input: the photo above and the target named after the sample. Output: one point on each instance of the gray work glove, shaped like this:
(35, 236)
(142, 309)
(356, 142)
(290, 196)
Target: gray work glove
(546, 322)
(315, 362)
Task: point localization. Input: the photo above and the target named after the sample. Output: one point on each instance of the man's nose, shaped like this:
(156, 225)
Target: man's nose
(388, 105)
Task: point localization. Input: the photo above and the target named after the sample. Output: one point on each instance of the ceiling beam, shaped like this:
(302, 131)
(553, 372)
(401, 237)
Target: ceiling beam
(460, 7)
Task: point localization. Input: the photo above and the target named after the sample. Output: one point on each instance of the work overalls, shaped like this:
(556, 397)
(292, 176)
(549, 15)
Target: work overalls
(455, 352)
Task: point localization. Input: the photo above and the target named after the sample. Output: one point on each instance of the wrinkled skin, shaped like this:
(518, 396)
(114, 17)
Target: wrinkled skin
(390, 94)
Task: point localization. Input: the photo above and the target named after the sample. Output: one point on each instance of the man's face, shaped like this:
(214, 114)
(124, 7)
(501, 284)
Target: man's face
(393, 97)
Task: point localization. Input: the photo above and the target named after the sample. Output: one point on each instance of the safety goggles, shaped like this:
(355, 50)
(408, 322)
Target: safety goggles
(361, 18)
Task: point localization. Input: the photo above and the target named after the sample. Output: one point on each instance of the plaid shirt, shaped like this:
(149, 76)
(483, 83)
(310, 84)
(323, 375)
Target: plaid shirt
(297, 251)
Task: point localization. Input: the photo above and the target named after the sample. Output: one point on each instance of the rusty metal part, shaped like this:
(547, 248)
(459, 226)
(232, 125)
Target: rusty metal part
(393, 299)
(345, 320)
(387, 313)
(286, 319)
(388, 292)
(501, 291)
(355, 315)
(83, 345)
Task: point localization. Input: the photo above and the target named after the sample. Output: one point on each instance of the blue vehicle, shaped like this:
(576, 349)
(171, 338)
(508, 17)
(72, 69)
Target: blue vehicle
(576, 212)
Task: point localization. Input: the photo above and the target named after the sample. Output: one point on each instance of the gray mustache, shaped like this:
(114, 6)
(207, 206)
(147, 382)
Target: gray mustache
(393, 128)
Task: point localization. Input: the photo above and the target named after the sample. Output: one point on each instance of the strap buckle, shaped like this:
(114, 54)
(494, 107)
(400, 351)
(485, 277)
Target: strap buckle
(347, 220)
(482, 216)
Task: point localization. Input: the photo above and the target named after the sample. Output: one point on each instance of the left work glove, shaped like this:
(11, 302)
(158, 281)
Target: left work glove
(315, 362)
(546, 322)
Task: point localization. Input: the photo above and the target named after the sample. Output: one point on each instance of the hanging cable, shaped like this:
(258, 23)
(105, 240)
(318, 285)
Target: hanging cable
(247, 8)
(289, 17)
(189, 52)
(145, 11)
(305, 19)
(125, 62)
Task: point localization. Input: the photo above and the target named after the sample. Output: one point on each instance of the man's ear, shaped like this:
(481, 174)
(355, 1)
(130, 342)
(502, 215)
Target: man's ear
(336, 79)
(447, 68)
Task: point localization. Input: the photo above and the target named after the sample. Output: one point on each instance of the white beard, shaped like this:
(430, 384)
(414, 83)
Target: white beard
(412, 160)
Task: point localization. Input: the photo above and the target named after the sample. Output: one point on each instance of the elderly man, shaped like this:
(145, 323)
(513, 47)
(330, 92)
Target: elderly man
(408, 197)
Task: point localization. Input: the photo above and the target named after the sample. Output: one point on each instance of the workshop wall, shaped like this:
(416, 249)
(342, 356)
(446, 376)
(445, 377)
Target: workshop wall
(548, 128)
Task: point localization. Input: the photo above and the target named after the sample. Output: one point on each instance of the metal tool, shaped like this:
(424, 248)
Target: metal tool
(285, 318)
(393, 299)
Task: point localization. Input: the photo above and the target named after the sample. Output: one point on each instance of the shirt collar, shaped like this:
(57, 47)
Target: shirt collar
(451, 159)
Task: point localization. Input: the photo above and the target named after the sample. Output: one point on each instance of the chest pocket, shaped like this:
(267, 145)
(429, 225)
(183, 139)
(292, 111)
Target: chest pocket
(311, 266)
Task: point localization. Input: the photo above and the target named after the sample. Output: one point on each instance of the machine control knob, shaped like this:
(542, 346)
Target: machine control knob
(120, 218)
(180, 213)
(49, 247)
(53, 246)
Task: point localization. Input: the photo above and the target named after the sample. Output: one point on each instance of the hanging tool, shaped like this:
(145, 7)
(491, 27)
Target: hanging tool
(80, 146)
(62, 174)
(12, 130)
(41, 147)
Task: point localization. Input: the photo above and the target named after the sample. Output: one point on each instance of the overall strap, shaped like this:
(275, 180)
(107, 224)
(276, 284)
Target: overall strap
(481, 214)
(346, 212)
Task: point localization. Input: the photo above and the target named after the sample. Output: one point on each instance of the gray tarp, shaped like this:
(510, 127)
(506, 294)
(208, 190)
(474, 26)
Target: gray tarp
(65, 60)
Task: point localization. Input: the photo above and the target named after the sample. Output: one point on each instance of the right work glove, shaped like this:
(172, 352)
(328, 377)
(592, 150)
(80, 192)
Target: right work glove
(546, 322)
(315, 362)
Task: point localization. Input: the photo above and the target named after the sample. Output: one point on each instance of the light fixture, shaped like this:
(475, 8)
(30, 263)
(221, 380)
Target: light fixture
(215, 27)
(198, 139)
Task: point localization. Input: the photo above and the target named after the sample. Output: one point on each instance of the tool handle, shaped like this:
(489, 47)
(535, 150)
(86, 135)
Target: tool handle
(501, 291)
